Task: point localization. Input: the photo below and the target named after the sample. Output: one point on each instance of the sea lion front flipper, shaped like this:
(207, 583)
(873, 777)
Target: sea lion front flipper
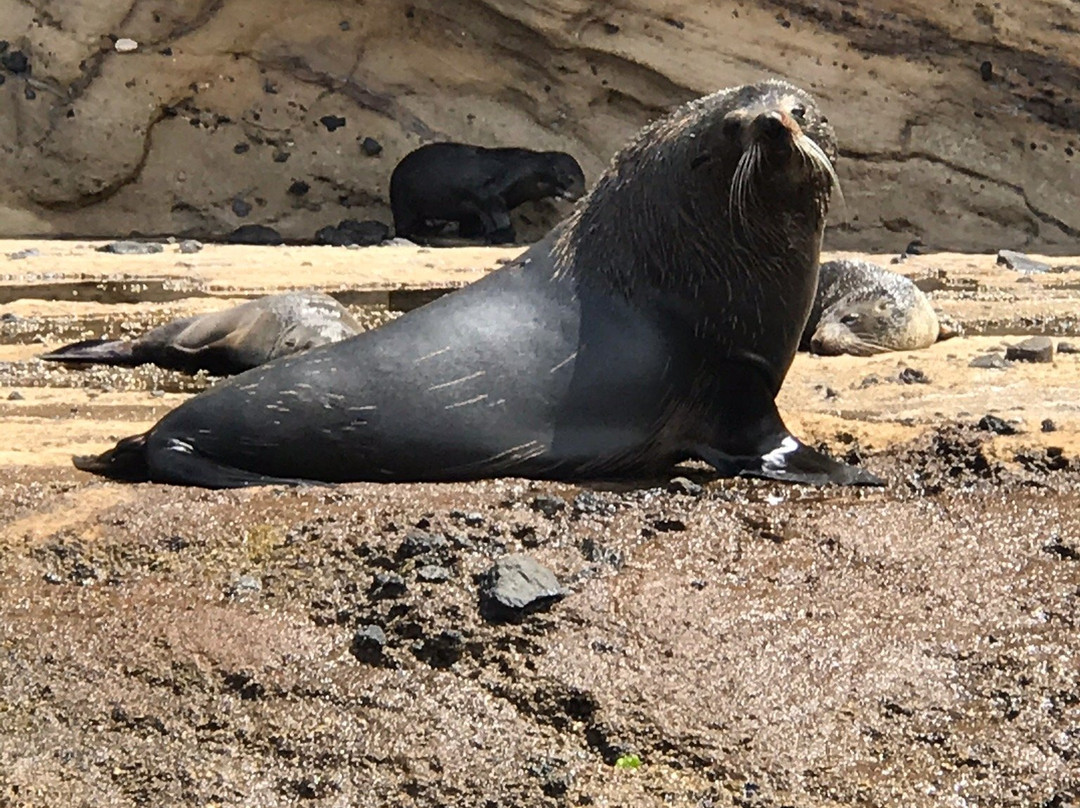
(750, 439)
(791, 461)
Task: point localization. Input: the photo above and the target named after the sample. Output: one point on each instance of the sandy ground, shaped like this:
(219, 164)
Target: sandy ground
(750, 644)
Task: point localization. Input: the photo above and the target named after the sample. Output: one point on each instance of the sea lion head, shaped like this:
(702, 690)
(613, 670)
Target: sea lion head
(716, 210)
(868, 310)
(777, 137)
(308, 320)
(562, 177)
(747, 168)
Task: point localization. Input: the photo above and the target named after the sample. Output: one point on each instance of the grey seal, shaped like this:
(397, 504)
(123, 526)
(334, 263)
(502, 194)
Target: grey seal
(225, 342)
(863, 309)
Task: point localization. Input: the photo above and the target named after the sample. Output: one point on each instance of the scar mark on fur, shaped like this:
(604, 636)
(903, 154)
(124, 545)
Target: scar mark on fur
(565, 362)
(467, 401)
(476, 375)
(433, 353)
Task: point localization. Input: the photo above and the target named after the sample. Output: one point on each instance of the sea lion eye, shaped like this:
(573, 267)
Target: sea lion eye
(849, 319)
(799, 113)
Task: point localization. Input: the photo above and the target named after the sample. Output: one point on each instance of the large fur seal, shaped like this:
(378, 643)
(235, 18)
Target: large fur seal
(225, 342)
(863, 309)
(475, 187)
(656, 323)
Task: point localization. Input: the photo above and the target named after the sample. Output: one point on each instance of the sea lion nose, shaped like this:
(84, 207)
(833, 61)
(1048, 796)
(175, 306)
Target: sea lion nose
(771, 125)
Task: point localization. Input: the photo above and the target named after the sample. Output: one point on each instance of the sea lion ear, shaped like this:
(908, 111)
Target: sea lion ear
(700, 160)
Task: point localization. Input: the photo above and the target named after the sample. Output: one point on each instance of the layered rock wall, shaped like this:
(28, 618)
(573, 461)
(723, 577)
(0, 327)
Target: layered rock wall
(956, 120)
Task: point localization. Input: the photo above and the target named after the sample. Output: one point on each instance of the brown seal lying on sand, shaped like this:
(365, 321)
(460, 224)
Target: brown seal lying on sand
(656, 323)
(863, 309)
(225, 342)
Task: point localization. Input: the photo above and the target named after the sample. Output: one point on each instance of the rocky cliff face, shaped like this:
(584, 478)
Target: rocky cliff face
(956, 120)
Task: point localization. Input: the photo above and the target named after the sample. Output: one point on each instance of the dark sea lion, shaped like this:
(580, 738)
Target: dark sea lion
(863, 309)
(225, 342)
(656, 323)
(475, 187)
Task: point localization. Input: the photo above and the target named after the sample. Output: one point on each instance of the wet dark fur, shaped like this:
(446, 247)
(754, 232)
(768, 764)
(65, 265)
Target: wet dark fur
(475, 187)
(655, 324)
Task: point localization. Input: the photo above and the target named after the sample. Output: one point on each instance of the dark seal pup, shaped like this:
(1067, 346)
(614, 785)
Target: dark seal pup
(863, 309)
(656, 323)
(475, 187)
(225, 342)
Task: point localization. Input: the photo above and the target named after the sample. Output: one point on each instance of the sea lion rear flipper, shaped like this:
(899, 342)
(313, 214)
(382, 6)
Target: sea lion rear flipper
(94, 351)
(176, 463)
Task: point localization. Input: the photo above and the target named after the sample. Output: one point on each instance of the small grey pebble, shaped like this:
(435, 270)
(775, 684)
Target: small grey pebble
(157, 393)
(913, 376)
(241, 208)
(519, 583)
(131, 248)
(548, 505)
(53, 578)
(589, 502)
(870, 381)
(15, 395)
(370, 146)
(1067, 348)
(433, 573)
(244, 585)
(682, 485)
(1033, 349)
(1048, 425)
(20, 254)
(387, 585)
(368, 643)
(420, 542)
(999, 426)
(989, 361)
(188, 246)
(1020, 262)
(332, 122)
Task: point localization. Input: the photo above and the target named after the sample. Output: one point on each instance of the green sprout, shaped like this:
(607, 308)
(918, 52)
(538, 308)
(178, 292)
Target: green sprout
(628, 762)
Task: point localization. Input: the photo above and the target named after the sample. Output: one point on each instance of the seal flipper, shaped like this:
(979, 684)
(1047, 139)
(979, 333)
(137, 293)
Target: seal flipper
(177, 463)
(750, 439)
(96, 351)
(790, 461)
(126, 461)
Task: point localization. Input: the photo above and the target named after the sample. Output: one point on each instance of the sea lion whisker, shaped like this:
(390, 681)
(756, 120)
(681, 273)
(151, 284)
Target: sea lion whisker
(738, 179)
(809, 148)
